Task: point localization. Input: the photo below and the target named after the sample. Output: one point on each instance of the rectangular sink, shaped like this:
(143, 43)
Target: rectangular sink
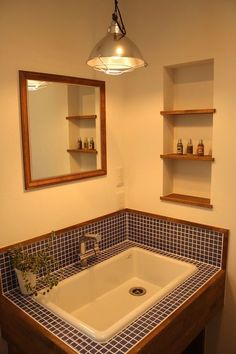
(103, 299)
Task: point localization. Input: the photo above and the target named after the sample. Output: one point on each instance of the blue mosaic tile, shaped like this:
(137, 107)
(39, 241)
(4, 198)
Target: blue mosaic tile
(125, 340)
(202, 247)
(198, 243)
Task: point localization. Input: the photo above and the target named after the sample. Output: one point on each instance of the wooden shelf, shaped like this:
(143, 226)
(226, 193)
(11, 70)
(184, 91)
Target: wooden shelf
(188, 199)
(86, 151)
(82, 117)
(187, 157)
(188, 111)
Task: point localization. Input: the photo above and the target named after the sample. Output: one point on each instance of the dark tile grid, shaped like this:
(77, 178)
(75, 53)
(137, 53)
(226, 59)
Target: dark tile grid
(125, 340)
(65, 248)
(178, 239)
(188, 241)
(192, 242)
(8, 279)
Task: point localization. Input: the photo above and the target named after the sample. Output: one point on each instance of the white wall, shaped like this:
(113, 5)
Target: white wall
(51, 37)
(171, 32)
(56, 37)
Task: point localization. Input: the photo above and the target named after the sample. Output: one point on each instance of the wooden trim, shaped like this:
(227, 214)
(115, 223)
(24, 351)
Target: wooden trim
(191, 157)
(43, 182)
(17, 332)
(225, 249)
(188, 199)
(92, 116)
(188, 111)
(25, 127)
(86, 151)
(33, 75)
(175, 333)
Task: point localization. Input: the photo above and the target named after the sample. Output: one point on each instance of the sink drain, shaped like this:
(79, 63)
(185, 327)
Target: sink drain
(137, 291)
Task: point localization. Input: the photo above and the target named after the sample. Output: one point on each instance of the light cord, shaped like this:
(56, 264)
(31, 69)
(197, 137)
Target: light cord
(116, 16)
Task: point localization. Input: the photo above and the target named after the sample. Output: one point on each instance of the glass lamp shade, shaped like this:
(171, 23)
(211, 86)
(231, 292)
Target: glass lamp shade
(115, 54)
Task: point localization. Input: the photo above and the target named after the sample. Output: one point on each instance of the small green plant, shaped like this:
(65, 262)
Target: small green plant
(41, 263)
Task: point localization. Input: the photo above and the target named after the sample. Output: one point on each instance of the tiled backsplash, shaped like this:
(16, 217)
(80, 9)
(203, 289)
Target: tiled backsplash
(181, 238)
(195, 242)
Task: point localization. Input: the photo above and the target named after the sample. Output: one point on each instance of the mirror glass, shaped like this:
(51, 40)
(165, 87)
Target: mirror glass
(63, 128)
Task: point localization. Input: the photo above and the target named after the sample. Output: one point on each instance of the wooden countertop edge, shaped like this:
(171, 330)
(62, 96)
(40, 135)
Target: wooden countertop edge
(177, 331)
(23, 330)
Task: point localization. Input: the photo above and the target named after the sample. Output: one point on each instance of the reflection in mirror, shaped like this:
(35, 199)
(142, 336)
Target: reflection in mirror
(63, 128)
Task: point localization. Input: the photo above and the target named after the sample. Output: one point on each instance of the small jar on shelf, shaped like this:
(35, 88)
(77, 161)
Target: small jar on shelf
(200, 148)
(80, 144)
(180, 147)
(86, 143)
(91, 144)
(190, 147)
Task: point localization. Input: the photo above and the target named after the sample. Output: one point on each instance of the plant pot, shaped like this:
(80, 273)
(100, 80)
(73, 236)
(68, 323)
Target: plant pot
(27, 282)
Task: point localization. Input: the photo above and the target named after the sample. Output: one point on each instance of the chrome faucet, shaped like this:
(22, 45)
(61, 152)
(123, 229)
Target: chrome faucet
(86, 254)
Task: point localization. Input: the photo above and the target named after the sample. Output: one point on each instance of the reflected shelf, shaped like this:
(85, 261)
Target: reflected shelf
(92, 116)
(86, 151)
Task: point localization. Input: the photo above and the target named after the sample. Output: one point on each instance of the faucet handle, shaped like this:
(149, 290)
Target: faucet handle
(97, 237)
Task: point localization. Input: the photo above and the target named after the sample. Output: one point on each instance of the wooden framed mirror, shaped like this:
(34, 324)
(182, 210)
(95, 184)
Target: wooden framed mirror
(63, 123)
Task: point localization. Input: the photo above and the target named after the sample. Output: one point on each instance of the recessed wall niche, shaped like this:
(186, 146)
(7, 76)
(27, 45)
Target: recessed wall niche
(83, 123)
(188, 114)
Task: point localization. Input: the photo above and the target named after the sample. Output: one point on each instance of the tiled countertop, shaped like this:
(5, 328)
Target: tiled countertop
(137, 330)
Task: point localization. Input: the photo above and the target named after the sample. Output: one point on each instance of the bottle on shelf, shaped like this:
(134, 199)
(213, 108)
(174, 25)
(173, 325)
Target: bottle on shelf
(190, 147)
(86, 143)
(80, 144)
(200, 148)
(180, 147)
(91, 144)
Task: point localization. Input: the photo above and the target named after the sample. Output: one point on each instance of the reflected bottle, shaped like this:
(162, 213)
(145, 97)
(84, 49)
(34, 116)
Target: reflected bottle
(80, 144)
(86, 143)
(180, 147)
(190, 147)
(91, 144)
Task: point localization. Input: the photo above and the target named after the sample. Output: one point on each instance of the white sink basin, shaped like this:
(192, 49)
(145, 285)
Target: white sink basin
(98, 300)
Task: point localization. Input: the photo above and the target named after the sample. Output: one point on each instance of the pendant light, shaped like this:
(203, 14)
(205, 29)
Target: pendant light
(116, 54)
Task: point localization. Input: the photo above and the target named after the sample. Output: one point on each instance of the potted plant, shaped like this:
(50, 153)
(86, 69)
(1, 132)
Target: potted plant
(30, 266)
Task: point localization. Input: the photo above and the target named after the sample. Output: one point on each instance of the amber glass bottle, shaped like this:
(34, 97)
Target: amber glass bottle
(200, 148)
(190, 147)
(180, 147)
